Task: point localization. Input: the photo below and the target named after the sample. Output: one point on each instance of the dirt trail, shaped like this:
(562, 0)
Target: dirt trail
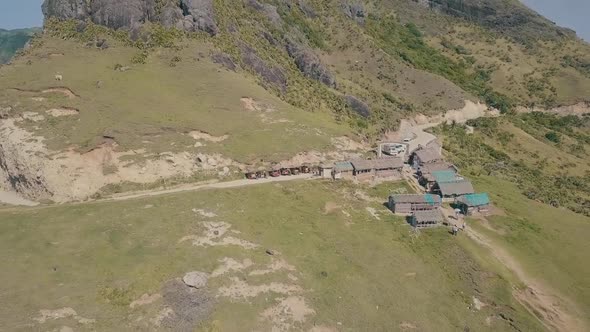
(553, 310)
(218, 185)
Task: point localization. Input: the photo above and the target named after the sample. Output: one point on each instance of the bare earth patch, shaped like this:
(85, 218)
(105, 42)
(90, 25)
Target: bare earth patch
(46, 315)
(373, 212)
(145, 299)
(277, 264)
(214, 235)
(231, 265)
(63, 111)
(288, 312)
(240, 290)
(203, 136)
(204, 213)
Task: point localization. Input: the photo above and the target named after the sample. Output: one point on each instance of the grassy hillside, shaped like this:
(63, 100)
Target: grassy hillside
(13, 40)
(355, 271)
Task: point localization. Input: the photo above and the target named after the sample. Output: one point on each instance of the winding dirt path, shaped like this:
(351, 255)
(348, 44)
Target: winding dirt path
(553, 310)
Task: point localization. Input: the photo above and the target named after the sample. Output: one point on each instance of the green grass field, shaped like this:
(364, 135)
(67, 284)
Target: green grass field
(356, 272)
(155, 105)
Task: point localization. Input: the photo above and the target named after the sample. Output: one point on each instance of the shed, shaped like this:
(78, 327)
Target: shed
(343, 170)
(429, 218)
(325, 171)
(408, 203)
(473, 202)
(445, 176)
(437, 166)
(363, 169)
(426, 156)
(455, 188)
(388, 167)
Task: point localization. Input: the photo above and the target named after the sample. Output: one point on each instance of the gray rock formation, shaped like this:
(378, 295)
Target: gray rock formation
(195, 279)
(309, 64)
(307, 9)
(224, 60)
(358, 106)
(201, 14)
(117, 14)
(65, 9)
(190, 15)
(269, 74)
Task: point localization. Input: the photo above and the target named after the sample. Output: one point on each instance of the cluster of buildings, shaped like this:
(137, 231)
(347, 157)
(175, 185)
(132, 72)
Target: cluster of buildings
(442, 183)
(363, 169)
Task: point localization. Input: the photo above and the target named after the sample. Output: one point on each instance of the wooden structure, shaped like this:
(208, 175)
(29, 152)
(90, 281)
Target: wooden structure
(363, 169)
(408, 203)
(325, 171)
(343, 170)
(388, 167)
(425, 173)
(425, 156)
(470, 203)
(451, 190)
(427, 218)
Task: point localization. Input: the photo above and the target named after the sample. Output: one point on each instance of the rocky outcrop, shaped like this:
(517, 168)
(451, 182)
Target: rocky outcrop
(121, 14)
(200, 12)
(309, 64)
(271, 75)
(224, 60)
(189, 15)
(358, 106)
(66, 9)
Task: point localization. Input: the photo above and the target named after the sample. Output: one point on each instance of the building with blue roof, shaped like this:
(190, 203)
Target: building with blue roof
(470, 203)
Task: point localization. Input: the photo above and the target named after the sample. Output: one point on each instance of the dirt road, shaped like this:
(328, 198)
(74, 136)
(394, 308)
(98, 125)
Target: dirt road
(217, 185)
(553, 310)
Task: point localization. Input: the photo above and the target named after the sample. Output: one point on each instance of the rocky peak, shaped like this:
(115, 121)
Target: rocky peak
(189, 15)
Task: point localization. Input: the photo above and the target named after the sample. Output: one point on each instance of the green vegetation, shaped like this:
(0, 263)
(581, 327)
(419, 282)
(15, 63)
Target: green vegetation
(548, 242)
(364, 273)
(539, 174)
(13, 40)
(407, 42)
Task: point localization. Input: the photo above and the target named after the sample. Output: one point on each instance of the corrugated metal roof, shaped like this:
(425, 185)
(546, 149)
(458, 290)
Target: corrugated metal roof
(444, 176)
(480, 199)
(417, 198)
(343, 166)
(457, 188)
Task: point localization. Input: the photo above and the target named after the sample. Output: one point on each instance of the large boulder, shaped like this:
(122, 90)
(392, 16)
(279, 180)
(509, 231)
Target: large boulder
(65, 9)
(200, 12)
(309, 64)
(196, 279)
(171, 16)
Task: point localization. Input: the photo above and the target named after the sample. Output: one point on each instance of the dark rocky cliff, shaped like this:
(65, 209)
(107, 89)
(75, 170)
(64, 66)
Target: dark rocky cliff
(190, 15)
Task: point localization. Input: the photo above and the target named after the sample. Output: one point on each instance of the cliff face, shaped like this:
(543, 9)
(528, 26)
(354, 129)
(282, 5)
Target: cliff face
(190, 15)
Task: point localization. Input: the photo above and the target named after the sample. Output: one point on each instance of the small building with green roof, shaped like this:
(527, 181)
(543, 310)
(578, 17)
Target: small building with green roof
(473, 203)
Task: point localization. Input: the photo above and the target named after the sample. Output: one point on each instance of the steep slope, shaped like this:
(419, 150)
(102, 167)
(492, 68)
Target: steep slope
(13, 40)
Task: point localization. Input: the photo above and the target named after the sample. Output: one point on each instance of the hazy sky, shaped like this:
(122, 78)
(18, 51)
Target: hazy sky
(15, 14)
(569, 13)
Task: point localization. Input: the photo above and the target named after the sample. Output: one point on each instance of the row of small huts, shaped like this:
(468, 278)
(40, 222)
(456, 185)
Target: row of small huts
(362, 169)
(443, 184)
